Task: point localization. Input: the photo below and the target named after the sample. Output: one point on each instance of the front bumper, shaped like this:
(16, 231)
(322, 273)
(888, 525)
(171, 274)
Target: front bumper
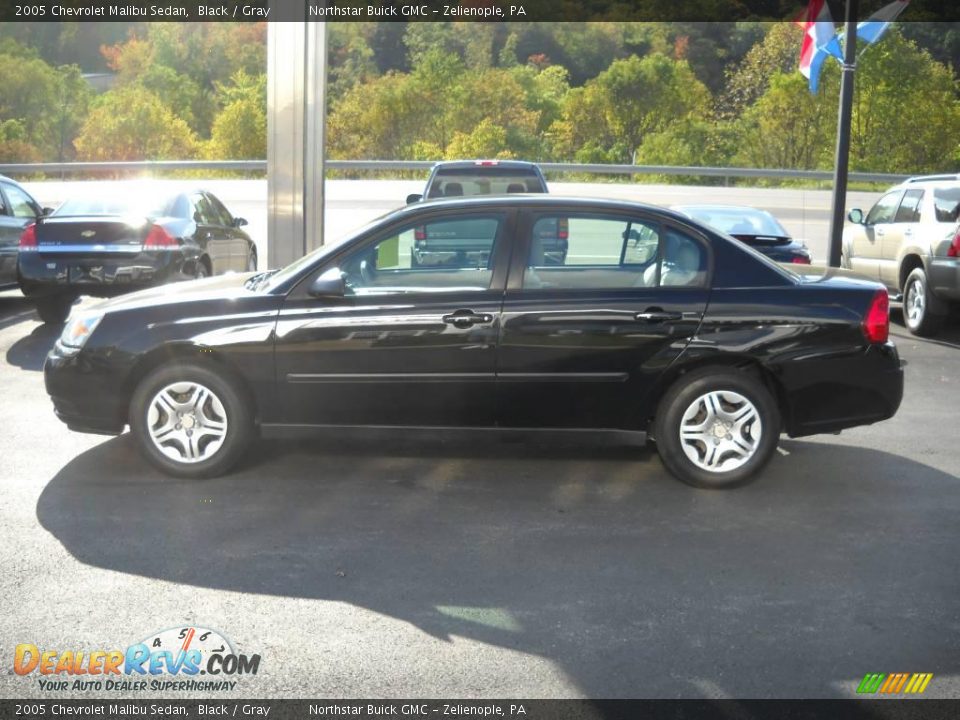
(84, 393)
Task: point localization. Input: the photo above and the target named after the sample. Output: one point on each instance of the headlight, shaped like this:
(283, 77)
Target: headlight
(78, 330)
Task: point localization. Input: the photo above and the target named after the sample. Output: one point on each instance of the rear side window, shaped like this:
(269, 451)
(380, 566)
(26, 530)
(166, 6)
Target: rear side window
(484, 181)
(606, 253)
(946, 203)
(910, 207)
(884, 210)
(20, 204)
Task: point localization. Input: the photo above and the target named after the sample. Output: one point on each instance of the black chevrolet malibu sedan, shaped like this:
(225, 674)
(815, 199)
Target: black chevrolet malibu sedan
(108, 245)
(654, 326)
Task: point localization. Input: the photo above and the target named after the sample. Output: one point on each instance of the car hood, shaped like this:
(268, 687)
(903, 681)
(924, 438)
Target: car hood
(221, 287)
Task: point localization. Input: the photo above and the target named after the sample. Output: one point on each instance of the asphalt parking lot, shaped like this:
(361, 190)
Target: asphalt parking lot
(379, 566)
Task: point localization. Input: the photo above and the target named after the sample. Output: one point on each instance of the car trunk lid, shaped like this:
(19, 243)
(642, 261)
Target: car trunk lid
(91, 235)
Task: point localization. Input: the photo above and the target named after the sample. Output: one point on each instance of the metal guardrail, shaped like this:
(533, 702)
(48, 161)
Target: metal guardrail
(73, 168)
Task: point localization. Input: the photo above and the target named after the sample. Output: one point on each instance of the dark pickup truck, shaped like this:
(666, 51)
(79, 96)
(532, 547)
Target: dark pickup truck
(460, 244)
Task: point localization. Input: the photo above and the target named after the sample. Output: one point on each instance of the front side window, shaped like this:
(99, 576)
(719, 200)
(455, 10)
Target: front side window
(443, 255)
(20, 204)
(599, 253)
(910, 207)
(946, 202)
(884, 210)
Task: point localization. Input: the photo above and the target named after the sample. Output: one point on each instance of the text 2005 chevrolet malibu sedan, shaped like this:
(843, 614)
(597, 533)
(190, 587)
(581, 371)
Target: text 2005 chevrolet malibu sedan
(654, 325)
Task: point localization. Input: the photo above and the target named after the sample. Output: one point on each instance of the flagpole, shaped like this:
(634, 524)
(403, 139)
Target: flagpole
(843, 134)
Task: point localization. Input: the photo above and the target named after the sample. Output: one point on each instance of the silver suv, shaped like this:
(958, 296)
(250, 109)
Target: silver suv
(910, 241)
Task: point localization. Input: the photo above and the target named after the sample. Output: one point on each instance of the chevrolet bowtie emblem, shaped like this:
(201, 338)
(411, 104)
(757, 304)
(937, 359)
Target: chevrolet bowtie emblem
(88, 233)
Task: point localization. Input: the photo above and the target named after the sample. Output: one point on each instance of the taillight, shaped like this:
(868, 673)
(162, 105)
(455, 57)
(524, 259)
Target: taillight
(800, 260)
(159, 238)
(954, 249)
(419, 233)
(876, 323)
(563, 228)
(28, 239)
(486, 163)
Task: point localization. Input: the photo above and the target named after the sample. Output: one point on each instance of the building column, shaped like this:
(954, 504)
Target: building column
(296, 117)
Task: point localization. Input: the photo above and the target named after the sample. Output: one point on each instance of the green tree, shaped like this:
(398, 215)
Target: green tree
(240, 129)
(486, 140)
(131, 123)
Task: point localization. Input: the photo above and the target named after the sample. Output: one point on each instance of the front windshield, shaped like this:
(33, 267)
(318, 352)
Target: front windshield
(276, 278)
(739, 221)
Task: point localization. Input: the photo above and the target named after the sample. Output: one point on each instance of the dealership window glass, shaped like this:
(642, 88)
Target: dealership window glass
(884, 210)
(442, 255)
(909, 210)
(946, 203)
(20, 204)
(604, 253)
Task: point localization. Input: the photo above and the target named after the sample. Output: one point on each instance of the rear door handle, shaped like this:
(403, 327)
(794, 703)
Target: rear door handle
(656, 315)
(466, 318)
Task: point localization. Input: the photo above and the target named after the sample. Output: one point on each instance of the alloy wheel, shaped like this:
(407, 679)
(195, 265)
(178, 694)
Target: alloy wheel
(914, 304)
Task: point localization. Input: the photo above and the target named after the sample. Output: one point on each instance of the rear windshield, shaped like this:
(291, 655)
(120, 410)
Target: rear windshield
(484, 181)
(946, 201)
(138, 206)
(739, 222)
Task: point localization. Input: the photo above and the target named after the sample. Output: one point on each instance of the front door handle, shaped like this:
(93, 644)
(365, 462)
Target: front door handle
(657, 315)
(466, 318)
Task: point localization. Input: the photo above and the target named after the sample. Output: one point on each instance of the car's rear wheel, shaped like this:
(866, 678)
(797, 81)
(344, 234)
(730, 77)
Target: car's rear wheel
(717, 427)
(190, 421)
(54, 309)
(200, 270)
(252, 261)
(919, 307)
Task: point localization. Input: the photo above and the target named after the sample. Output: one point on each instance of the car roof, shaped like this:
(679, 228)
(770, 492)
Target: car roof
(471, 164)
(540, 200)
(936, 180)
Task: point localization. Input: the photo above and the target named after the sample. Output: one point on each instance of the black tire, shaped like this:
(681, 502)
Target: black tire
(252, 261)
(236, 409)
(684, 394)
(54, 309)
(922, 313)
(200, 270)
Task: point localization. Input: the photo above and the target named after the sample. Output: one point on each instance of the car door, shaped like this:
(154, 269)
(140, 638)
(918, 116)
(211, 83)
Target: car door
(237, 240)
(582, 342)
(405, 345)
(898, 234)
(210, 234)
(867, 242)
(17, 210)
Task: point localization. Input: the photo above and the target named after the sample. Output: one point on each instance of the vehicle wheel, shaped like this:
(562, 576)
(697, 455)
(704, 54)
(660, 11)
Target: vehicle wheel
(716, 428)
(54, 309)
(919, 313)
(199, 271)
(252, 261)
(190, 421)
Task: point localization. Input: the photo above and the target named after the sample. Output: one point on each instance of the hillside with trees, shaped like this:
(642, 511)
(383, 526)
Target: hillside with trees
(651, 93)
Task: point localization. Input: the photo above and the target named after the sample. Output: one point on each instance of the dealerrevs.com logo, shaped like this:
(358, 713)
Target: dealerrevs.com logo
(172, 659)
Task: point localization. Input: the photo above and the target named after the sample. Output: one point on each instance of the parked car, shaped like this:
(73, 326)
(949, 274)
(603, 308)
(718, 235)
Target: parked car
(462, 244)
(17, 210)
(910, 242)
(757, 228)
(104, 246)
(678, 333)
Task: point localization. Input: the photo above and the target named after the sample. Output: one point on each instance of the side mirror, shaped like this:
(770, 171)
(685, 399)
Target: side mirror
(414, 197)
(239, 222)
(329, 284)
(855, 216)
(46, 211)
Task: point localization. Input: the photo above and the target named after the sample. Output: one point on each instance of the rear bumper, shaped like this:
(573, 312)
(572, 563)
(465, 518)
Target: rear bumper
(944, 277)
(81, 396)
(48, 273)
(842, 391)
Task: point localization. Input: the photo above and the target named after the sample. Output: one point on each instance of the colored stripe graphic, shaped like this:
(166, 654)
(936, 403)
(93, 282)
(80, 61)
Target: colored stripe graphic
(894, 683)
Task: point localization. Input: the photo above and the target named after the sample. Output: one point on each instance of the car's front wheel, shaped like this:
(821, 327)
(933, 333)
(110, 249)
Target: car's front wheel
(919, 307)
(717, 427)
(190, 421)
(54, 309)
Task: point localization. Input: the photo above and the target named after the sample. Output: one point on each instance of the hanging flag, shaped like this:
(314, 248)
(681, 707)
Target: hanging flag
(819, 41)
(876, 25)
